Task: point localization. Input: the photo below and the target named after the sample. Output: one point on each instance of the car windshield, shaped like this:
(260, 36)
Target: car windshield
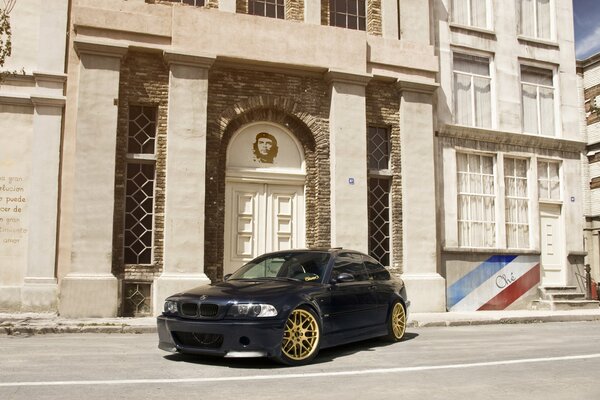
(301, 266)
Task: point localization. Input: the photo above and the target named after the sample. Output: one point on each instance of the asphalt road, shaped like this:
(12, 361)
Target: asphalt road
(537, 361)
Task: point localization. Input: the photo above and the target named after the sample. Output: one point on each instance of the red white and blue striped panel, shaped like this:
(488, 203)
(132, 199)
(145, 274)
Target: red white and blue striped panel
(494, 284)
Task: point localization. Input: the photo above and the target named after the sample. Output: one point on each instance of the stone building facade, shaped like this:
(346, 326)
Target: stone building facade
(163, 187)
(509, 152)
(198, 134)
(31, 117)
(589, 70)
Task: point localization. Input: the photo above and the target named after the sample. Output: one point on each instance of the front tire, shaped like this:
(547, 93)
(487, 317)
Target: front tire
(397, 322)
(301, 337)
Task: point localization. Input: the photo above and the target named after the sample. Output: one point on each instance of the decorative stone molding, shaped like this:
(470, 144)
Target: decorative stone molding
(191, 60)
(347, 77)
(511, 138)
(98, 48)
(417, 87)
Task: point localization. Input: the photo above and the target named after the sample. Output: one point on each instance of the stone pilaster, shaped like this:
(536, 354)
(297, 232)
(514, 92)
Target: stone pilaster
(227, 5)
(414, 21)
(389, 19)
(90, 289)
(185, 177)
(425, 286)
(40, 289)
(348, 161)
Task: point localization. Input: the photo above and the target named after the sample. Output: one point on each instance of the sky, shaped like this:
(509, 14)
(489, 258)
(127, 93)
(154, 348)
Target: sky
(587, 27)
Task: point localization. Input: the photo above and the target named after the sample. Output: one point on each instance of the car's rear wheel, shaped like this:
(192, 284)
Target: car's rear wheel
(397, 322)
(301, 337)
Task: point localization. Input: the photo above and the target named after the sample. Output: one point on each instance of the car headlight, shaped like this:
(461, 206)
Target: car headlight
(252, 310)
(170, 307)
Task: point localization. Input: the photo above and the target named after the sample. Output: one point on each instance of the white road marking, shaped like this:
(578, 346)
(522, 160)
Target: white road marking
(303, 375)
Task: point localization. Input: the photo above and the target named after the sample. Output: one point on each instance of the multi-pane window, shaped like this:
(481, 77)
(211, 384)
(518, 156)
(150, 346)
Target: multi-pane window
(349, 14)
(476, 200)
(378, 149)
(472, 13)
(549, 180)
(536, 18)
(516, 203)
(139, 185)
(472, 91)
(537, 87)
(266, 8)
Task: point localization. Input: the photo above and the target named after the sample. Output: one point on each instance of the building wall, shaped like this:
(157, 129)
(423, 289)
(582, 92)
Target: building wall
(323, 84)
(31, 108)
(506, 49)
(590, 76)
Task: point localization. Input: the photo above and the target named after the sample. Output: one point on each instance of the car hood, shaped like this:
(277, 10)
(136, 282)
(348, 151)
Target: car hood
(250, 290)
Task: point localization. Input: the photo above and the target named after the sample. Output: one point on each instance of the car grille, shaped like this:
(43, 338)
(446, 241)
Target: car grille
(199, 310)
(199, 340)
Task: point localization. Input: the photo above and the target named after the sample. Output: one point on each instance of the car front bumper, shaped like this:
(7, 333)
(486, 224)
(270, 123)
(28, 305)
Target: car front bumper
(228, 338)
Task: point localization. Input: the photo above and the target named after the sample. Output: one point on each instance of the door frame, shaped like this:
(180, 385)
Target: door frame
(294, 181)
(553, 210)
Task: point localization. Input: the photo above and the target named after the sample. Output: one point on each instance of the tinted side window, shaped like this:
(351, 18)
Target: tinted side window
(349, 265)
(376, 271)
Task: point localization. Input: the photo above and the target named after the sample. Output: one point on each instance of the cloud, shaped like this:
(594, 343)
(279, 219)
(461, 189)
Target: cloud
(588, 44)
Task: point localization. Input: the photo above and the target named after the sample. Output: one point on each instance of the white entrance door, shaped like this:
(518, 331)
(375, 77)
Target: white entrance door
(552, 245)
(260, 218)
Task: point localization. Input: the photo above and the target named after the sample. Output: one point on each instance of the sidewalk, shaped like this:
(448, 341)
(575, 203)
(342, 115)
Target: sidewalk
(32, 323)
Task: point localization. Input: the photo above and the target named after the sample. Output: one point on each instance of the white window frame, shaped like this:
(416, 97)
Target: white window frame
(488, 15)
(482, 195)
(527, 198)
(491, 78)
(548, 161)
(500, 197)
(556, 98)
(536, 22)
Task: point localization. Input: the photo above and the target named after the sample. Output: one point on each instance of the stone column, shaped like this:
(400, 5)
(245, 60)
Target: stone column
(414, 21)
(348, 161)
(186, 171)
(90, 289)
(40, 289)
(312, 12)
(227, 6)
(426, 288)
(389, 19)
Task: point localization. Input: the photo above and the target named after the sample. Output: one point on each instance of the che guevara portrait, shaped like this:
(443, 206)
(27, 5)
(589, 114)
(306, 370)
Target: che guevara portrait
(265, 148)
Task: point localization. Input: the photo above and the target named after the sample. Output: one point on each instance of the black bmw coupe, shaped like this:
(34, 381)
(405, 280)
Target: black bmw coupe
(287, 305)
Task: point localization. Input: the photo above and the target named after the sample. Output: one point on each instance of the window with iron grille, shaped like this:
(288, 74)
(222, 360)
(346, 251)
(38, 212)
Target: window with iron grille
(137, 299)
(139, 185)
(349, 14)
(380, 180)
(267, 8)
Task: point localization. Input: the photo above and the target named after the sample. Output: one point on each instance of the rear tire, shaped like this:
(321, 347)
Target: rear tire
(396, 322)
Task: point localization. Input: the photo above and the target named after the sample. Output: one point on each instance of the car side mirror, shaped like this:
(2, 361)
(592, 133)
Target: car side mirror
(344, 277)
(226, 277)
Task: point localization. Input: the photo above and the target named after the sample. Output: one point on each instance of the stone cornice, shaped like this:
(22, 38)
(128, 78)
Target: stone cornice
(332, 76)
(32, 101)
(190, 60)
(99, 48)
(511, 138)
(417, 87)
(49, 77)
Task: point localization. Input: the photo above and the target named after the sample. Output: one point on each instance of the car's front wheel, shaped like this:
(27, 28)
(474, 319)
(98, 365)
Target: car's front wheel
(301, 337)
(397, 322)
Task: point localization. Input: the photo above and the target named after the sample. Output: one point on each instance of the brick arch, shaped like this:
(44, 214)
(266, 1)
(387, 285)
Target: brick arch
(309, 131)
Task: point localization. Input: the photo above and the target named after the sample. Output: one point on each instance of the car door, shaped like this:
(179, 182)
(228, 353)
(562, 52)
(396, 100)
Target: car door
(380, 278)
(353, 304)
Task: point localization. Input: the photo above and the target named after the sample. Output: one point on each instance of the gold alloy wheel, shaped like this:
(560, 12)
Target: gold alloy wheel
(301, 335)
(398, 321)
